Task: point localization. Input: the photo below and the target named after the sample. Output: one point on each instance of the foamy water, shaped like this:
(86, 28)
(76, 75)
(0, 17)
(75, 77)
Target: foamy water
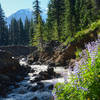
(23, 91)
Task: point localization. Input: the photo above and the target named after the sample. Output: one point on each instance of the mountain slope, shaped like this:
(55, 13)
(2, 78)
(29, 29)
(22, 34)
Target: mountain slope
(23, 13)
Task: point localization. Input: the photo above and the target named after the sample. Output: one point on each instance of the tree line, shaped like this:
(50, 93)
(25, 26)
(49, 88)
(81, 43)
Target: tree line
(16, 33)
(65, 19)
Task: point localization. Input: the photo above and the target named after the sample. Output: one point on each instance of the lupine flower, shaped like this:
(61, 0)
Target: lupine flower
(78, 71)
(85, 89)
(82, 70)
(54, 95)
(93, 50)
(65, 75)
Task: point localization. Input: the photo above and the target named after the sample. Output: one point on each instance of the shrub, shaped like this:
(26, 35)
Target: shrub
(77, 53)
(84, 82)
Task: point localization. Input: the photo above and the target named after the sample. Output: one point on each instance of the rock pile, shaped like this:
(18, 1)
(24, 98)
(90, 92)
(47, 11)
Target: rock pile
(10, 71)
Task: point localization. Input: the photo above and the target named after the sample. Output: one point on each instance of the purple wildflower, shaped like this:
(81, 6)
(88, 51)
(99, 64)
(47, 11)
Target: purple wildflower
(85, 89)
(54, 95)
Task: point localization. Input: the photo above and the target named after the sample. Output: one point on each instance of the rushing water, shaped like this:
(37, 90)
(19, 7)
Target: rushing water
(24, 90)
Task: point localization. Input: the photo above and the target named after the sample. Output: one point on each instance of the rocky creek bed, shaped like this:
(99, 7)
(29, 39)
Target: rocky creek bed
(30, 79)
(37, 85)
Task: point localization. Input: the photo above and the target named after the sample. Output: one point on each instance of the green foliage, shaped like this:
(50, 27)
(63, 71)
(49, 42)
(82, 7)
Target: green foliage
(70, 18)
(64, 21)
(38, 35)
(3, 29)
(38, 38)
(56, 20)
(13, 32)
(91, 28)
(20, 33)
(31, 33)
(37, 10)
(79, 35)
(68, 40)
(84, 83)
(87, 13)
(77, 53)
(26, 32)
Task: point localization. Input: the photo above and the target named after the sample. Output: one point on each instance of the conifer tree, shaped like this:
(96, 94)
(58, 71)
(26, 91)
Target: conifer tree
(56, 19)
(21, 32)
(66, 17)
(51, 22)
(31, 32)
(3, 29)
(38, 23)
(87, 12)
(70, 18)
(37, 10)
(26, 32)
(38, 35)
(98, 8)
(14, 34)
(98, 4)
(60, 17)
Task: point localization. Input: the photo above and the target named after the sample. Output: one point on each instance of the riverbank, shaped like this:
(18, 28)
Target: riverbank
(39, 90)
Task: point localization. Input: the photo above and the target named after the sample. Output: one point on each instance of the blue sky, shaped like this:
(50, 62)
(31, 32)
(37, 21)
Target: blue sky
(11, 6)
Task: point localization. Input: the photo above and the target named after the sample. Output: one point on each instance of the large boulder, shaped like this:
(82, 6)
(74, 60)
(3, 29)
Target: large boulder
(68, 52)
(57, 54)
(50, 46)
(4, 84)
(33, 57)
(10, 71)
(43, 57)
(45, 75)
(7, 62)
(8, 67)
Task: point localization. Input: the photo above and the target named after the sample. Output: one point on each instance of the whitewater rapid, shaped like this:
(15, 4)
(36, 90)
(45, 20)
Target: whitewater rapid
(23, 92)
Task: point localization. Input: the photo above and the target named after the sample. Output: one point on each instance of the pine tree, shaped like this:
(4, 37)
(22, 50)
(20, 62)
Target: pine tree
(60, 17)
(98, 4)
(66, 17)
(21, 32)
(38, 23)
(3, 29)
(79, 14)
(51, 22)
(98, 8)
(31, 32)
(26, 32)
(14, 34)
(45, 31)
(38, 35)
(70, 18)
(87, 12)
(56, 19)
(36, 11)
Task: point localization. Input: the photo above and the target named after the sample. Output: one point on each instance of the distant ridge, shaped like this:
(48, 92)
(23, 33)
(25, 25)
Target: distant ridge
(23, 13)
